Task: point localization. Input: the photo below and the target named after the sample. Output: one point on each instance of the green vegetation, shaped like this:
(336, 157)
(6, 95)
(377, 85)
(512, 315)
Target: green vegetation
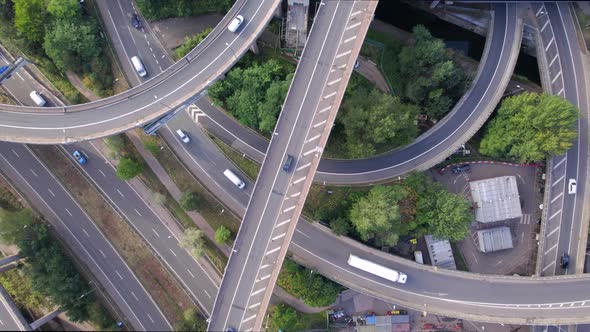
(150, 143)
(190, 201)
(384, 50)
(159, 9)
(129, 168)
(244, 163)
(190, 43)
(60, 36)
(48, 272)
(222, 235)
(284, 318)
(531, 127)
(191, 321)
(584, 20)
(314, 289)
(194, 241)
(383, 214)
(255, 94)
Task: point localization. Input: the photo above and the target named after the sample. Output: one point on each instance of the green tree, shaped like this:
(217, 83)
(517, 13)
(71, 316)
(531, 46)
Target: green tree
(193, 240)
(373, 120)
(30, 18)
(311, 287)
(377, 216)
(14, 224)
(129, 168)
(6, 10)
(190, 43)
(190, 201)
(64, 9)
(20, 289)
(445, 215)
(191, 321)
(222, 234)
(283, 318)
(341, 226)
(159, 9)
(71, 44)
(270, 107)
(531, 127)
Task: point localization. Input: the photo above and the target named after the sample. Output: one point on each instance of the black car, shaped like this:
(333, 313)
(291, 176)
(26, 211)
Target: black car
(460, 169)
(565, 260)
(135, 21)
(287, 165)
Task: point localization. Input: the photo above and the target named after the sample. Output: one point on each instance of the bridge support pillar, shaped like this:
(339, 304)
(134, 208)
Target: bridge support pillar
(41, 321)
(254, 48)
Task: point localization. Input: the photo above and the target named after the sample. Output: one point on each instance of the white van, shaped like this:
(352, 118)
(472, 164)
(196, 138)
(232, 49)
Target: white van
(183, 136)
(235, 23)
(37, 98)
(138, 66)
(234, 178)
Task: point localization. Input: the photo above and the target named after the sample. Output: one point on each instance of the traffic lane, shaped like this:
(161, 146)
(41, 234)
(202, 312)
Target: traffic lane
(220, 54)
(83, 237)
(146, 222)
(10, 317)
(21, 84)
(268, 193)
(449, 130)
(440, 289)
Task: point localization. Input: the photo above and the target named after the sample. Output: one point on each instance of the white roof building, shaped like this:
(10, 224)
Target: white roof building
(495, 199)
(494, 239)
(440, 252)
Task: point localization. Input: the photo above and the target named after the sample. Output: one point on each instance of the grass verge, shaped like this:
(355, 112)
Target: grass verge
(247, 165)
(161, 285)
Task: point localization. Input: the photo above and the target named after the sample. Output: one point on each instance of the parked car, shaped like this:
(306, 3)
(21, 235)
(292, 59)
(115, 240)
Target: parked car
(80, 157)
(565, 260)
(135, 21)
(461, 169)
(572, 186)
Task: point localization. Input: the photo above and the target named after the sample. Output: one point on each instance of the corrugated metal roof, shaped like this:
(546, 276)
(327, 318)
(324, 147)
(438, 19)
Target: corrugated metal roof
(494, 239)
(440, 252)
(496, 199)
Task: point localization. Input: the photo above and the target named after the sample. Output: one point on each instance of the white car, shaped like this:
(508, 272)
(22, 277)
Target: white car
(572, 186)
(183, 136)
(235, 23)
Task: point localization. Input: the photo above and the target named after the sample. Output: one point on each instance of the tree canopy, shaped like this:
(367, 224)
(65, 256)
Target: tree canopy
(71, 44)
(193, 241)
(159, 9)
(190, 201)
(129, 168)
(314, 289)
(531, 127)
(30, 18)
(222, 235)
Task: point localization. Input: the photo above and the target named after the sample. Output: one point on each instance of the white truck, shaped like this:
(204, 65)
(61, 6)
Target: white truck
(376, 269)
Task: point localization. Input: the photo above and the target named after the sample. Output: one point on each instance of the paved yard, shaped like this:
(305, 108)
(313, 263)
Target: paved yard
(520, 259)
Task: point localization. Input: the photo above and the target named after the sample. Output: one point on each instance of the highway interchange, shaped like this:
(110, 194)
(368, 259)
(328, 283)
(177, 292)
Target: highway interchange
(433, 289)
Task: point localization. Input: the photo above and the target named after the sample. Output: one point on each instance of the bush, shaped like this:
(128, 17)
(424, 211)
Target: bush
(129, 168)
(151, 144)
(194, 241)
(190, 43)
(312, 288)
(222, 235)
(159, 9)
(190, 201)
(283, 318)
(191, 321)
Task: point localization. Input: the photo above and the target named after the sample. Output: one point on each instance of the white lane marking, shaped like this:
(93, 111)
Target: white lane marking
(549, 44)
(207, 293)
(554, 58)
(553, 215)
(310, 151)
(557, 197)
(249, 319)
(279, 236)
(296, 194)
(556, 77)
(102, 253)
(85, 232)
(16, 154)
(353, 26)
(349, 39)
(548, 266)
(560, 92)
(289, 209)
(342, 66)
(557, 181)
(120, 193)
(189, 272)
(70, 213)
(356, 13)
(258, 291)
(548, 250)
(282, 223)
(51, 192)
(540, 9)
(335, 81)
(35, 174)
(264, 266)
(559, 163)
(319, 123)
(254, 306)
(272, 250)
(172, 252)
(299, 180)
(300, 232)
(265, 277)
(303, 166)
(324, 109)
(119, 274)
(150, 317)
(134, 296)
(545, 25)
(156, 232)
(330, 95)
(139, 214)
(314, 138)
(343, 54)
(101, 172)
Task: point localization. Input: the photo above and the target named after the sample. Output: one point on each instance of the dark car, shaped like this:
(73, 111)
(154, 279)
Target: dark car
(461, 169)
(80, 157)
(565, 260)
(287, 165)
(135, 21)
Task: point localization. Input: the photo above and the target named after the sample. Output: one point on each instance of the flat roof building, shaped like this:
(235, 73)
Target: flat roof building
(494, 239)
(440, 252)
(495, 199)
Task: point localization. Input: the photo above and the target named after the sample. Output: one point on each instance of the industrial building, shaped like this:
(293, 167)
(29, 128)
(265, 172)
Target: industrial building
(496, 199)
(440, 252)
(494, 239)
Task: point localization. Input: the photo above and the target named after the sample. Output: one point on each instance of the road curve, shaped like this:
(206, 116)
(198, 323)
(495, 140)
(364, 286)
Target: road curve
(496, 67)
(132, 108)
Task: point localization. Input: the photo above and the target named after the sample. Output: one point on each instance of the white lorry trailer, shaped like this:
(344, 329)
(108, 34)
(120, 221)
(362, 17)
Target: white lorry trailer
(376, 269)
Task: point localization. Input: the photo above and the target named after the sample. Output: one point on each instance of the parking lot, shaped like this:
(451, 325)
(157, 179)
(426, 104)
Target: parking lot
(520, 259)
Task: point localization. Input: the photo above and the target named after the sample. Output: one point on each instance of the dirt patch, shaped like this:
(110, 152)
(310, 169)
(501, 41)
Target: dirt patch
(160, 284)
